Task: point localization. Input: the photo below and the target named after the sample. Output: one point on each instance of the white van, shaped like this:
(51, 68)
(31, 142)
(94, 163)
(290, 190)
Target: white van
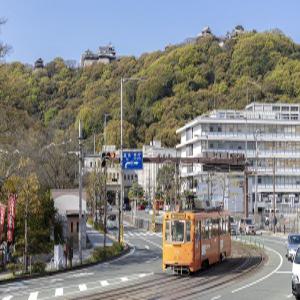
(111, 222)
(296, 275)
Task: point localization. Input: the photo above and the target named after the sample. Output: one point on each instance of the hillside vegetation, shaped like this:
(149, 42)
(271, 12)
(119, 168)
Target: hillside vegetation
(180, 83)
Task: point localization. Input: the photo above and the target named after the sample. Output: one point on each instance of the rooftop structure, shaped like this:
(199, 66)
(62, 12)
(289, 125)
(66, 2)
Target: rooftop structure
(104, 55)
(39, 64)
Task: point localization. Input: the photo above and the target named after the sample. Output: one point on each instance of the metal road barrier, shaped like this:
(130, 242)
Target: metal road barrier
(251, 240)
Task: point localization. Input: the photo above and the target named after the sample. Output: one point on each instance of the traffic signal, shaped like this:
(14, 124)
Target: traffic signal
(107, 156)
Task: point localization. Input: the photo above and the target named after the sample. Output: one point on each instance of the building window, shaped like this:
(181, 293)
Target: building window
(77, 226)
(131, 177)
(285, 108)
(259, 181)
(136, 177)
(71, 227)
(211, 129)
(91, 164)
(294, 108)
(189, 134)
(219, 129)
(189, 150)
(190, 168)
(276, 108)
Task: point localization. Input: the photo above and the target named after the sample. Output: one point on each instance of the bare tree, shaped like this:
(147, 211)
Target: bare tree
(3, 47)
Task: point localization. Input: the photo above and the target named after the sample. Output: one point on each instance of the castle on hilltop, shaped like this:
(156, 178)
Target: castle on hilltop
(104, 55)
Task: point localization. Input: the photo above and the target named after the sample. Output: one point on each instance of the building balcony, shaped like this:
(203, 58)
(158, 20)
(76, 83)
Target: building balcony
(261, 171)
(261, 153)
(243, 136)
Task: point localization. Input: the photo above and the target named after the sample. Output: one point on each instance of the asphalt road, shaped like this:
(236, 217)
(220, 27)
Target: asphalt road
(138, 275)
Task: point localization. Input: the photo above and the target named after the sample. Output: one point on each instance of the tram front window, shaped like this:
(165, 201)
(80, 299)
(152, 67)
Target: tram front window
(177, 231)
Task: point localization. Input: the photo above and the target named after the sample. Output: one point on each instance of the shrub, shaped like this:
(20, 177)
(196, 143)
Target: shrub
(100, 253)
(38, 267)
(13, 268)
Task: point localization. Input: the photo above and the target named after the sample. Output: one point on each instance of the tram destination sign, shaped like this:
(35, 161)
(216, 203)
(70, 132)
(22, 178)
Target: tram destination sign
(132, 160)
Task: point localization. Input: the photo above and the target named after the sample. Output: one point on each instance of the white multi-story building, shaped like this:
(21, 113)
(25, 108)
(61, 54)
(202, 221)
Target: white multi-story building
(147, 176)
(269, 137)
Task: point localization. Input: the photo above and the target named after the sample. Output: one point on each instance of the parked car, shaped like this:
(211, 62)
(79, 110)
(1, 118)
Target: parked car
(233, 226)
(293, 243)
(111, 222)
(126, 206)
(296, 275)
(148, 208)
(247, 226)
(140, 207)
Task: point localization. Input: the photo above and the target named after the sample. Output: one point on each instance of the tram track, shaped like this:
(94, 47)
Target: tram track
(166, 286)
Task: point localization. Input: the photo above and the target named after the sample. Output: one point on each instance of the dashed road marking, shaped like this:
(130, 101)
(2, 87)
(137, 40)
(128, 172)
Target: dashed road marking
(7, 297)
(33, 296)
(284, 272)
(216, 297)
(104, 283)
(82, 287)
(147, 247)
(289, 296)
(124, 279)
(59, 292)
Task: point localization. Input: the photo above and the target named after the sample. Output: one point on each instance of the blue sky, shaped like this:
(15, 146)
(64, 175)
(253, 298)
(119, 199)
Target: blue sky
(65, 28)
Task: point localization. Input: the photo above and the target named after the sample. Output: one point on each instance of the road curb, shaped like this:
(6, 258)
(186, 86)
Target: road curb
(126, 250)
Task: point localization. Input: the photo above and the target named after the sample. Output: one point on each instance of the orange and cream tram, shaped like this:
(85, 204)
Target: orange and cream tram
(193, 240)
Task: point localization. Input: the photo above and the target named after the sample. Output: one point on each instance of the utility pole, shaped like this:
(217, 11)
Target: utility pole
(274, 201)
(80, 140)
(121, 229)
(246, 192)
(105, 204)
(256, 175)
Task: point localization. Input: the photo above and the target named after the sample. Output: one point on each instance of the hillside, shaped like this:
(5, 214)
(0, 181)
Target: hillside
(179, 83)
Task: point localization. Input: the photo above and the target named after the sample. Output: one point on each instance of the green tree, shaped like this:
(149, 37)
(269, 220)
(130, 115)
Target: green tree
(136, 193)
(166, 182)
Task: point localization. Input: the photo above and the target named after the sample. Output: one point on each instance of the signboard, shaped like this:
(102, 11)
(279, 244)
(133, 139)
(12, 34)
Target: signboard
(132, 160)
(2, 216)
(11, 214)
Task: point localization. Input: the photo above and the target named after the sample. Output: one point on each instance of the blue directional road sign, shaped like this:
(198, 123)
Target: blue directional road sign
(132, 160)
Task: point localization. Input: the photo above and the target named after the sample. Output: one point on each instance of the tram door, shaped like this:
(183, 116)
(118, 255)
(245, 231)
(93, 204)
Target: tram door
(215, 239)
(197, 246)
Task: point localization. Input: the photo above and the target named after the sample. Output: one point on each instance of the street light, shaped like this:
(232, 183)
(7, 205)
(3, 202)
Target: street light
(257, 132)
(80, 140)
(121, 226)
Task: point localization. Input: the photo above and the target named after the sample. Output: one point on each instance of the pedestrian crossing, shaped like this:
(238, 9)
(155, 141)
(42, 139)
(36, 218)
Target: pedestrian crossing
(138, 233)
(52, 292)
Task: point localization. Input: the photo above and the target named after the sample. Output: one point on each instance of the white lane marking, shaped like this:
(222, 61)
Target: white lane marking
(33, 296)
(284, 272)
(147, 247)
(56, 280)
(59, 292)
(264, 277)
(151, 242)
(216, 297)
(81, 275)
(144, 275)
(104, 283)
(7, 297)
(124, 279)
(289, 296)
(82, 287)
(130, 233)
